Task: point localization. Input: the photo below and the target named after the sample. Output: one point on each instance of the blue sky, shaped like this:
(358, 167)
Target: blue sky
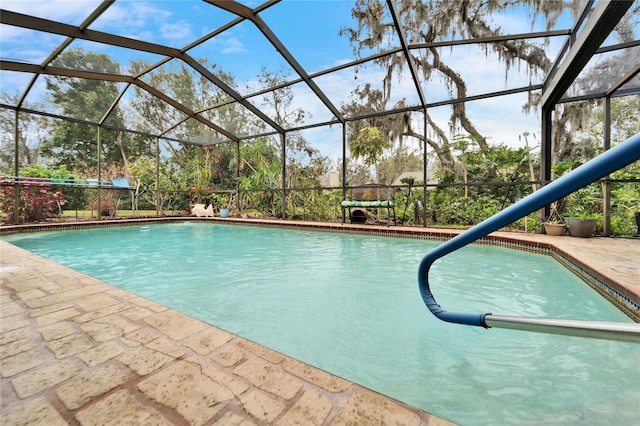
(309, 30)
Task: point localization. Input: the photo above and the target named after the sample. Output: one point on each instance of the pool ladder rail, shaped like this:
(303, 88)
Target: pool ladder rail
(613, 159)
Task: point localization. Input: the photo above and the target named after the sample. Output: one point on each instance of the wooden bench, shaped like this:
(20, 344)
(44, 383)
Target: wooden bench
(370, 196)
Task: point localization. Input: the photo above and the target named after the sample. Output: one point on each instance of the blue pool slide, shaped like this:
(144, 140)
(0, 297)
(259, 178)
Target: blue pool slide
(616, 158)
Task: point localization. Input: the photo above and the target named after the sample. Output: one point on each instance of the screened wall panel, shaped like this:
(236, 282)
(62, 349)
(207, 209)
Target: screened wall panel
(504, 18)
(292, 106)
(23, 45)
(261, 176)
(503, 120)
(39, 96)
(103, 58)
(7, 141)
(151, 113)
(603, 70)
(167, 23)
(73, 13)
(197, 132)
(237, 119)
(370, 87)
(247, 56)
(322, 21)
(14, 85)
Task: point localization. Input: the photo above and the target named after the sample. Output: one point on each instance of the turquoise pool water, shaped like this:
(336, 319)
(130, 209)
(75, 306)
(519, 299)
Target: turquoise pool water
(350, 304)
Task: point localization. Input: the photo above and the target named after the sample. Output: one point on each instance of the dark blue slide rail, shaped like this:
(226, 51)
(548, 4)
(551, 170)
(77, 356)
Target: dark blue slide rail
(616, 158)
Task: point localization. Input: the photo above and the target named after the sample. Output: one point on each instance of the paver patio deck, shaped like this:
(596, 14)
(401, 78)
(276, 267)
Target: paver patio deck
(76, 350)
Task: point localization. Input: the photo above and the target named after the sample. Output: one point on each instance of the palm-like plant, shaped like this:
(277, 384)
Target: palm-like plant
(369, 145)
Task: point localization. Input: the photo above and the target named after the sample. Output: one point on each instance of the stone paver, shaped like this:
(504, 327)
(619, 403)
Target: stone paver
(174, 324)
(82, 389)
(13, 323)
(16, 347)
(56, 316)
(269, 377)
(102, 312)
(44, 378)
(18, 363)
(261, 351)
(13, 335)
(76, 348)
(222, 377)
(167, 346)
(11, 308)
(102, 353)
(109, 327)
(318, 377)
(311, 409)
(121, 408)
(96, 301)
(50, 309)
(228, 356)
(207, 341)
(142, 336)
(31, 294)
(58, 330)
(70, 345)
(187, 390)
(261, 406)
(367, 408)
(144, 361)
(232, 419)
(34, 411)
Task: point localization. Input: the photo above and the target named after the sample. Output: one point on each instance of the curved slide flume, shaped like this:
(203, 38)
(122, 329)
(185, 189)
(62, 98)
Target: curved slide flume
(615, 158)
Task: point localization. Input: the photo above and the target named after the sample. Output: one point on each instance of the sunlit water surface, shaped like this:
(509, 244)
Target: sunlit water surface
(350, 305)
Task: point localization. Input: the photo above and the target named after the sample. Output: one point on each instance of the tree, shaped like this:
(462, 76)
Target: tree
(75, 144)
(428, 22)
(32, 132)
(304, 163)
(199, 94)
(398, 162)
(303, 160)
(369, 145)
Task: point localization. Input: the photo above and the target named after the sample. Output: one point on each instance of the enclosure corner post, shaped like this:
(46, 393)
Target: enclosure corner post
(157, 197)
(425, 171)
(99, 203)
(606, 184)
(344, 166)
(283, 140)
(545, 155)
(238, 201)
(16, 168)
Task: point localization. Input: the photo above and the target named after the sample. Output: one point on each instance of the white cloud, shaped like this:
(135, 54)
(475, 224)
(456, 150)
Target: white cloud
(232, 45)
(72, 12)
(339, 62)
(179, 31)
(142, 21)
(26, 45)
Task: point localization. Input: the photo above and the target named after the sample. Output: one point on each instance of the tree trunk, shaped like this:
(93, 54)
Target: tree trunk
(123, 152)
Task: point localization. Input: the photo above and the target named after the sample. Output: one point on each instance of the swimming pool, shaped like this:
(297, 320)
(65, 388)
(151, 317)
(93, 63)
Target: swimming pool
(350, 304)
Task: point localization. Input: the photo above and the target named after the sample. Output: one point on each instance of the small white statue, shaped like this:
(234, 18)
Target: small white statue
(198, 210)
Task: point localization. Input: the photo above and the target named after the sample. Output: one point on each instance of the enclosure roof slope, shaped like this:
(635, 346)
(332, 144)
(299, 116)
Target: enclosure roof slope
(204, 60)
